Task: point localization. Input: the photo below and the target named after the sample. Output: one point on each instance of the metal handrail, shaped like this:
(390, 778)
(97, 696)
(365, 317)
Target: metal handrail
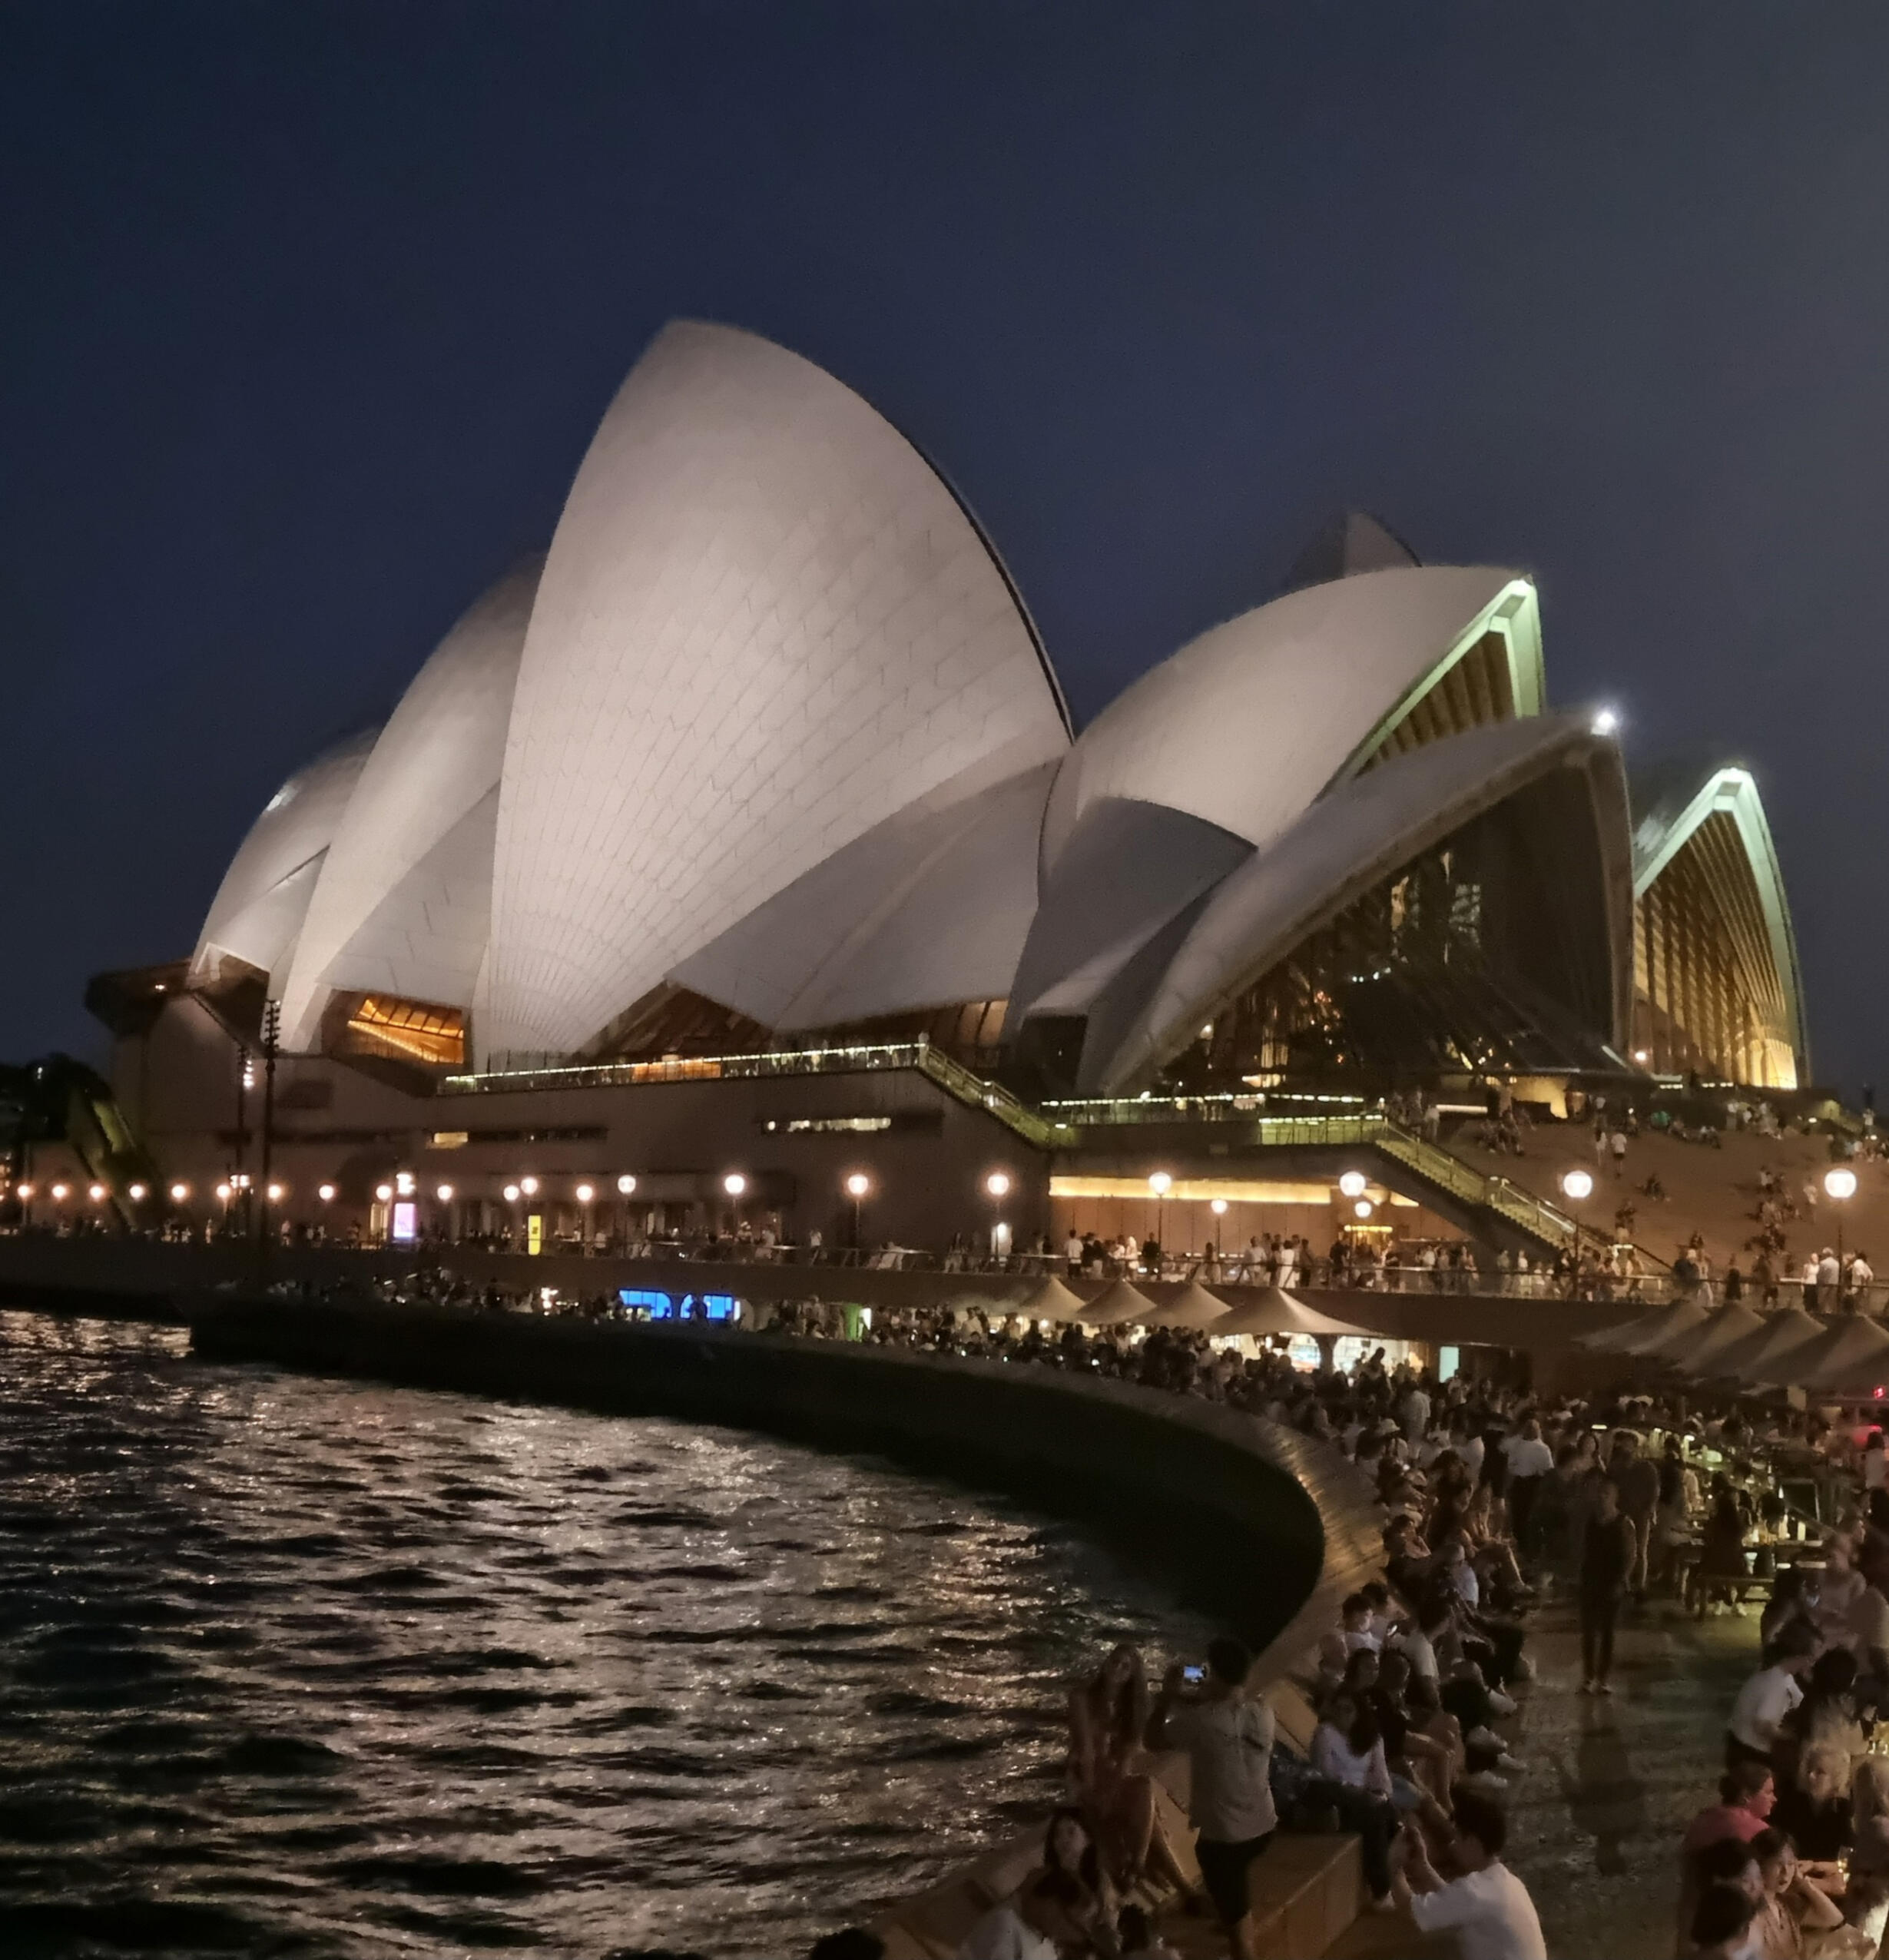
(852, 1058)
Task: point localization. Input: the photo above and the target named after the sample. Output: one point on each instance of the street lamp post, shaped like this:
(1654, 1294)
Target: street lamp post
(1161, 1184)
(998, 1186)
(626, 1187)
(444, 1194)
(857, 1186)
(272, 1037)
(1840, 1187)
(586, 1193)
(1577, 1186)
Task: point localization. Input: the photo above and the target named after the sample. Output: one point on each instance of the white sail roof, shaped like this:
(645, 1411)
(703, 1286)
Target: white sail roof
(260, 906)
(1341, 847)
(1246, 726)
(438, 758)
(766, 624)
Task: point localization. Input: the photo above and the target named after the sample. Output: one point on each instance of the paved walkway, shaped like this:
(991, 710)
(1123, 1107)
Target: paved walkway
(1611, 1782)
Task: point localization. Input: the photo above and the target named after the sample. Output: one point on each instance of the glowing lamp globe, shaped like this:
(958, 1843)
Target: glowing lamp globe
(511, 1194)
(1218, 1208)
(383, 1192)
(325, 1193)
(734, 1184)
(179, 1192)
(1161, 1184)
(586, 1193)
(1578, 1184)
(626, 1184)
(998, 1183)
(444, 1194)
(1362, 1209)
(1839, 1183)
(858, 1185)
(1352, 1184)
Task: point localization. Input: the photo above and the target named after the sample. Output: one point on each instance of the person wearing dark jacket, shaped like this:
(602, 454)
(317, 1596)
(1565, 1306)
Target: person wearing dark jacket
(1607, 1557)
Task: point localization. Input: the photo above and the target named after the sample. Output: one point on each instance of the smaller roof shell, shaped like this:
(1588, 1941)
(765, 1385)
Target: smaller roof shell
(1670, 803)
(1247, 724)
(1340, 848)
(259, 907)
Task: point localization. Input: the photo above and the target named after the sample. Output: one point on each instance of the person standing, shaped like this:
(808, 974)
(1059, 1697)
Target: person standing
(1607, 1552)
(1487, 1906)
(1227, 1732)
(1413, 1413)
(1530, 1460)
(1638, 1479)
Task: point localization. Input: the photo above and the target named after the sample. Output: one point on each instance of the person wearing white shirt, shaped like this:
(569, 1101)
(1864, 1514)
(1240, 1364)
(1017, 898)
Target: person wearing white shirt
(1413, 1413)
(1487, 1907)
(1771, 1694)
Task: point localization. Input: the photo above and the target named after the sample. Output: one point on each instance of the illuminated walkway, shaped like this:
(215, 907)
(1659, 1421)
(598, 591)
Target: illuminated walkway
(1611, 1782)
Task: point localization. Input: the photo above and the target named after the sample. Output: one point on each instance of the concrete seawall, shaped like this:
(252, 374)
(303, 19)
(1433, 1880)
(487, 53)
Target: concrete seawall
(1264, 1527)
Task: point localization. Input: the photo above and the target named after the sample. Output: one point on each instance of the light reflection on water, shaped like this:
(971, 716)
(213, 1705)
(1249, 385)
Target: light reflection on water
(295, 1666)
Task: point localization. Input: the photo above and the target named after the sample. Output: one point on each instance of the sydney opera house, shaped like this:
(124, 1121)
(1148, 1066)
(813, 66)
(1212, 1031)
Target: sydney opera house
(744, 845)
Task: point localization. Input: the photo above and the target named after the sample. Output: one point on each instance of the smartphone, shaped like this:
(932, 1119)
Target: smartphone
(1193, 1673)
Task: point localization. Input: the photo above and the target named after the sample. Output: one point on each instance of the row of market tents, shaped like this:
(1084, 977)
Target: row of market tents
(1271, 1311)
(1847, 1357)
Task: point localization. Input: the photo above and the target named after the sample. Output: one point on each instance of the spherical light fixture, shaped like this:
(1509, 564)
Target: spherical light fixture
(1218, 1208)
(858, 1185)
(626, 1184)
(383, 1192)
(586, 1193)
(529, 1186)
(325, 1193)
(511, 1194)
(223, 1192)
(1362, 1209)
(179, 1192)
(1352, 1184)
(1839, 1183)
(96, 1192)
(998, 1183)
(1160, 1183)
(276, 1194)
(444, 1194)
(24, 1190)
(137, 1194)
(734, 1184)
(1606, 722)
(1577, 1184)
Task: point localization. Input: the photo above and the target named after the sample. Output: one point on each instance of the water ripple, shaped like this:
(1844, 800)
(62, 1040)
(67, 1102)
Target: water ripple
(293, 1668)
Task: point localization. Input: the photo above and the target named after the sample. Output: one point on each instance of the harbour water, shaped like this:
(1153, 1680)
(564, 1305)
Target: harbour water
(293, 1666)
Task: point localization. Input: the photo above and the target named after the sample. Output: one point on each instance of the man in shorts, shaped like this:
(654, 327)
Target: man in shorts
(1228, 1734)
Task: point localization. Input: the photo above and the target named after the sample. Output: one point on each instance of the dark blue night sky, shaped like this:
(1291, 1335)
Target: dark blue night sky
(307, 313)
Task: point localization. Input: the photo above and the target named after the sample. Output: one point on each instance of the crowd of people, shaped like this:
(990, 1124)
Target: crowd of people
(1493, 1502)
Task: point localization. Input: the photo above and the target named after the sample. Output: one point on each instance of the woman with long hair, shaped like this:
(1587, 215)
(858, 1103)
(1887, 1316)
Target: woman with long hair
(1109, 1774)
(1069, 1900)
